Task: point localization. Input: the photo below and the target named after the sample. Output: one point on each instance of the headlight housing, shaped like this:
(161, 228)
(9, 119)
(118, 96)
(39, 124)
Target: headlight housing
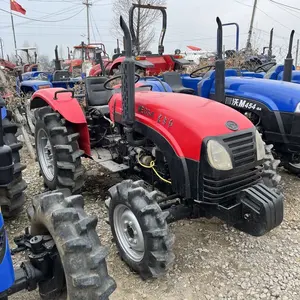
(260, 146)
(218, 157)
(297, 110)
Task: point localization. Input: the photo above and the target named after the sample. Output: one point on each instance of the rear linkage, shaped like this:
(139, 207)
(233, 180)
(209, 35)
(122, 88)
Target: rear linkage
(43, 259)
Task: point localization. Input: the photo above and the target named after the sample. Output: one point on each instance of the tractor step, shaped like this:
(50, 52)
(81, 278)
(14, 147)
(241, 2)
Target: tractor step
(104, 158)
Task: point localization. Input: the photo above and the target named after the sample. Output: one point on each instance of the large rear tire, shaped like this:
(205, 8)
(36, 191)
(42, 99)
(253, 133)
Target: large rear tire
(58, 152)
(80, 251)
(12, 197)
(140, 229)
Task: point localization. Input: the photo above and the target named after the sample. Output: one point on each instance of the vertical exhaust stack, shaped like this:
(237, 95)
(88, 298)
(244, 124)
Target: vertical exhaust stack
(288, 62)
(118, 50)
(220, 65)
(101, 62)
(270, 49)
(57, 61)
(128, 85)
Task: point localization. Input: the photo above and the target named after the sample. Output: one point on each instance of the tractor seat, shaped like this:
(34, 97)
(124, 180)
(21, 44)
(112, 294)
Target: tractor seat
(173, 79)
(96, 95)
(61, 75)
(116, 55)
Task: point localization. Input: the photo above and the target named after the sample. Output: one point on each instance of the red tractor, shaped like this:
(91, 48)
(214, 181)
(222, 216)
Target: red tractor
(145, 62)
(7, 65)
(187, 157)
(88, 54)
(31, 64)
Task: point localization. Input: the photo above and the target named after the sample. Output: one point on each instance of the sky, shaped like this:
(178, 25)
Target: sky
(190, 22)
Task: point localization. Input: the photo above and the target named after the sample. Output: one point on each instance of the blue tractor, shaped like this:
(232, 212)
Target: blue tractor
(64, 254)
(274, 71)
(272, 105)
(30, 82)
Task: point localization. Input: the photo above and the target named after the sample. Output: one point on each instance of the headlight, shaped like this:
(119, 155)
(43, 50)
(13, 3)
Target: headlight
(218, 157)
(260, 146)
(297, 110)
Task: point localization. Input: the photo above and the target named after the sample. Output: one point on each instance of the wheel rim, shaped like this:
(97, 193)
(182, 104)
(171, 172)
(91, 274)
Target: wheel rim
(129, 232)
(295, 165)
(295, 162)
(45, 154)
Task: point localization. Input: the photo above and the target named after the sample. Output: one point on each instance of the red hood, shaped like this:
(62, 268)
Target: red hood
(7, 64)
(96, 69)
(188, 119)
(73, 62)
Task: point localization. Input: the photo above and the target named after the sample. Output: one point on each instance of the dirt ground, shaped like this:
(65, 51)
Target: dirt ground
(212, 260)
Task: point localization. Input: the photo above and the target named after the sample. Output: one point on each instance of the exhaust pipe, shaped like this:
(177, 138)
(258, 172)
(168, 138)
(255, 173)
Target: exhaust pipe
(57, 61)
(270, 50)
(220, 65)
(128, 87)
(288, 62)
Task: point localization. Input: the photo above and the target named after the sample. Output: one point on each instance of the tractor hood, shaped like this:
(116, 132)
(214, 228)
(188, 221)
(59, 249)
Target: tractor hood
(276, 95)
(182, 120)
(36, 84)
(295, 76)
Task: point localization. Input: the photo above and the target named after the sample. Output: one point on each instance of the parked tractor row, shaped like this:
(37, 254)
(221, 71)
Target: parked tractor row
(202, 145)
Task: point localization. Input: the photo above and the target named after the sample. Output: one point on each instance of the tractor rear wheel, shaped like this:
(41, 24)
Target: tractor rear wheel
(81, 255)
(58, 151)
(12, 197)
(140, 229)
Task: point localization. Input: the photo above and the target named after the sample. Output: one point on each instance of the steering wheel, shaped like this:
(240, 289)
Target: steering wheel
(193, 74)
(262, 67)
(137, 78)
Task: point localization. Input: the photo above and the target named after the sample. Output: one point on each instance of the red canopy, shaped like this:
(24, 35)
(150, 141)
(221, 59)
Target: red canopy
(194, 48)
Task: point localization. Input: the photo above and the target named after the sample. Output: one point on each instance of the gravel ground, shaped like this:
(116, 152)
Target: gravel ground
(212, 260)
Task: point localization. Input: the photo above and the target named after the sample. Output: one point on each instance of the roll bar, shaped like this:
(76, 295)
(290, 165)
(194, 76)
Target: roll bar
(135, 39)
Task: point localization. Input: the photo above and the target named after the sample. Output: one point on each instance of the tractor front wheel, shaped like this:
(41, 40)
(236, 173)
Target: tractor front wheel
(80, 268)
(140, 229)
(270, 176)
(58, 151)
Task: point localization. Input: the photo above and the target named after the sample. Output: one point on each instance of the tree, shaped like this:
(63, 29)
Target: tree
(45, 63)
(143, 21)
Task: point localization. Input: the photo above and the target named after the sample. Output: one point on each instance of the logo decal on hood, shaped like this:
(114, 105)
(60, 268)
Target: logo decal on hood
(232, 125)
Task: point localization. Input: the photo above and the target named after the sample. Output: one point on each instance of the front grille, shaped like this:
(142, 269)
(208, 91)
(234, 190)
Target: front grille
(242, 148)
(222, 189)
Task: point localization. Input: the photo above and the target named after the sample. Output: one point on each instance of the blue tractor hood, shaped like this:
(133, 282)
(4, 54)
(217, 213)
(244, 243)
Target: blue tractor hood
(276, 95)
(35, 84)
